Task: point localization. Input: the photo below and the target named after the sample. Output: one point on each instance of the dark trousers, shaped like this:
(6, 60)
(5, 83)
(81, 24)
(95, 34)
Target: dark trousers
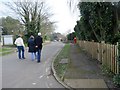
(20, 52)
(38, 55)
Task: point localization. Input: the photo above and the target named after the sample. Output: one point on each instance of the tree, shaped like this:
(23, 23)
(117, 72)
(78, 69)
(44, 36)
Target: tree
(33, 15)
(11, 26)
(71, 36)
(100, 24)
(57, 36)
(93, 24)
(99, 20)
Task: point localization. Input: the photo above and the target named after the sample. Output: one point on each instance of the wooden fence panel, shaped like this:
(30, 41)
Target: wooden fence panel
(113, 58)
(105, 53)
(95, 52)
(108, 55)
(116, 57)
(117, 61)
(100, 52)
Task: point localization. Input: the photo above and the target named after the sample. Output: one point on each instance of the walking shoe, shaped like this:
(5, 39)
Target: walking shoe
(23, 58)
(38, 61)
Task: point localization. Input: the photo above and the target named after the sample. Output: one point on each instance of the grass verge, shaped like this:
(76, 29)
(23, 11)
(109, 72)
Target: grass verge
(61, 68)
(5, 50)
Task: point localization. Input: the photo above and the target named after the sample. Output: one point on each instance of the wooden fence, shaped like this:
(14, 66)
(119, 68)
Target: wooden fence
(107, 54)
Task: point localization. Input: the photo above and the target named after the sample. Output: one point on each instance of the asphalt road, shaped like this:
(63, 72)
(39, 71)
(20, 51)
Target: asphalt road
(30, 74)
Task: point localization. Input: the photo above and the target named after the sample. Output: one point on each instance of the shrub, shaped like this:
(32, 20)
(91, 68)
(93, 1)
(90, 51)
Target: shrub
(116, 80)
(106, 71)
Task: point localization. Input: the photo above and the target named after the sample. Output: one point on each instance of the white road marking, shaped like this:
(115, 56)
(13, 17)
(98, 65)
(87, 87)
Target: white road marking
(47, 69)
(41, 76)
(47, 85)
(48, 77)
(34, 83)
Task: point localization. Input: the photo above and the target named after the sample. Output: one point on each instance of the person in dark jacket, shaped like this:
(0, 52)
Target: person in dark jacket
(32, 48)
(38, 44)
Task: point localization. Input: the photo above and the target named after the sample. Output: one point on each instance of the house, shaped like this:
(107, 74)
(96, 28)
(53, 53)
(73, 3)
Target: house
(7, 39)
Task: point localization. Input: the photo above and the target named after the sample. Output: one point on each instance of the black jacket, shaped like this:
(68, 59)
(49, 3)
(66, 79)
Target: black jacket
(31, 45)
(38, 42)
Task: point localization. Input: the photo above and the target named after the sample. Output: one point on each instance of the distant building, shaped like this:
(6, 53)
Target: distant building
(7, 39)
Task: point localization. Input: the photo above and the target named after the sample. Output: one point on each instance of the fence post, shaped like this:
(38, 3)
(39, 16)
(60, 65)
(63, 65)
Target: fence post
(111, 63)
(118, 60)
(102, 42)
(98, 52)
(108, 55)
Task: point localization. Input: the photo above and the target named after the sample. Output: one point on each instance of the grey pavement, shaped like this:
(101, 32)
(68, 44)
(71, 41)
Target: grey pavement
(84, 73)
(30, 74)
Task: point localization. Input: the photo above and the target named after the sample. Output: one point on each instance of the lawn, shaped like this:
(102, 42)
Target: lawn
(5, 50)
(61, 68)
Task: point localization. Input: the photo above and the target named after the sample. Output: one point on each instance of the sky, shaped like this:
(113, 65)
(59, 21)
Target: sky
(65, 18)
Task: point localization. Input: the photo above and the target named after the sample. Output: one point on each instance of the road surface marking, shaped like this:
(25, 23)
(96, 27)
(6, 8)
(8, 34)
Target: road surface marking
(48, 77)
(41, 76)
(47, 69)
(47, 85)
(34, 83)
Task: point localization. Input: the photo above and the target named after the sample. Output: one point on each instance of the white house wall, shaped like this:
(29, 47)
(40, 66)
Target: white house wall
(8, 39)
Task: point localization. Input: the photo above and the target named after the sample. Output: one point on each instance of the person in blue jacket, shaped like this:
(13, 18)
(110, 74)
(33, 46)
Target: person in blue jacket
(32, 48)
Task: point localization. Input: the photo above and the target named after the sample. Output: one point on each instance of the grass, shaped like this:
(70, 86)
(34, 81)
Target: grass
(5, 50)
(61, 68)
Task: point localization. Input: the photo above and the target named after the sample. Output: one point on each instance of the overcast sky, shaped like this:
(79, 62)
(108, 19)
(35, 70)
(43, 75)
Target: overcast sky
(66, 19)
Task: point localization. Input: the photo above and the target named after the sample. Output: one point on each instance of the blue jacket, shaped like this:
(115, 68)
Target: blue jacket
(31, 45)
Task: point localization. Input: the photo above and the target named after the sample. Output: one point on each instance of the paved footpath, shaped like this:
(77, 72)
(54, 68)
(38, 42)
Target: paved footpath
(83, 72)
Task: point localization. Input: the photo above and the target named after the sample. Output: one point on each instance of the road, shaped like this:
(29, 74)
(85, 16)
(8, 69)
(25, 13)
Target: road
(30, 74)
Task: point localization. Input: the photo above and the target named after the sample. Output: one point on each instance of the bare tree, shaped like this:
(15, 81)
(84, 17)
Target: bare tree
(72, 4)
(33, 14)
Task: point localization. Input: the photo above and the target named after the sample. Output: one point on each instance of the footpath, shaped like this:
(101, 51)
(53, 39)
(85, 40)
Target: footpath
(85, 73)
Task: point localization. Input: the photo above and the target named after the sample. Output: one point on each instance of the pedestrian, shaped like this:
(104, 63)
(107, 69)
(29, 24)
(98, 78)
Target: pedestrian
(31, 47)
(75, 40)
(20, 46)
(38, 44)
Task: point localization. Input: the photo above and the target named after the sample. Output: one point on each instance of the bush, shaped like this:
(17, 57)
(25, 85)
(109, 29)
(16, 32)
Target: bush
(107, 71)
(116, 80)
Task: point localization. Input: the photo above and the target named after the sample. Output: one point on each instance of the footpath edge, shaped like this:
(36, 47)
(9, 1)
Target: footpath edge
(54, 72)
